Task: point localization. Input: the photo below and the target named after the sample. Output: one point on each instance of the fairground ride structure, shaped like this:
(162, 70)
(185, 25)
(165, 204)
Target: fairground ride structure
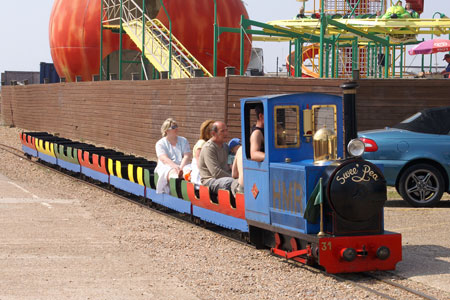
(350, 38)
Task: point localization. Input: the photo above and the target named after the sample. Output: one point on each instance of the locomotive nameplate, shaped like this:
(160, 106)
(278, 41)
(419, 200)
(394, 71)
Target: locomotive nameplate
(358, 173)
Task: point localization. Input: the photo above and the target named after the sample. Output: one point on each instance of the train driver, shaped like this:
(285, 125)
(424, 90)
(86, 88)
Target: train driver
(257, 151)
(257, 137)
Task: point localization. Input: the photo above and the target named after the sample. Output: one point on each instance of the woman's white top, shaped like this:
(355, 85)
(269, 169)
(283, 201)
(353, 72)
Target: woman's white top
(175, 153)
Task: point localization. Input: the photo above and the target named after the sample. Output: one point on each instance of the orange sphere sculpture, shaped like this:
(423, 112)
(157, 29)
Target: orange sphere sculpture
(75, 38)
(193, 25)
(74, 33)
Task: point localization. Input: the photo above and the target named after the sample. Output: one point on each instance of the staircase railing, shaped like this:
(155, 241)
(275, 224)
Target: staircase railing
(156, 38)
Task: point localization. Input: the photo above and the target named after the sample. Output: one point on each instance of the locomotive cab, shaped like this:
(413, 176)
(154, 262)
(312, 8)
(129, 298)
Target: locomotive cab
(277, 189)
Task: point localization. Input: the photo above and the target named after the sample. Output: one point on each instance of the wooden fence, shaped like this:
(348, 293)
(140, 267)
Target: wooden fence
(127, 115)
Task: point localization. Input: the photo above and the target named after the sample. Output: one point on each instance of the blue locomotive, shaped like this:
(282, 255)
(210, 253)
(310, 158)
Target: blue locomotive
(313, 199)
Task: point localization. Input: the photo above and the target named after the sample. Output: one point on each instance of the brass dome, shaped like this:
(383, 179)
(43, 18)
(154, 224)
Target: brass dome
(324, 143)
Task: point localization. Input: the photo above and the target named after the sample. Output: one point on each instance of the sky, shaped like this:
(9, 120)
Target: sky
(25, 42)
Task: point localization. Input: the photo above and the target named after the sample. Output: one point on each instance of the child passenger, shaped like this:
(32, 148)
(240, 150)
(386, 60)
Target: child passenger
(233, 145)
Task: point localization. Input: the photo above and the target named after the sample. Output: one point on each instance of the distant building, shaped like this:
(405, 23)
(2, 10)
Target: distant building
(47, 74)
(20, 77)
(256, 64)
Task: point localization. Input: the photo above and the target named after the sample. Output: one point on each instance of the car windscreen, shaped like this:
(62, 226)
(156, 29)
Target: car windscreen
(433, 120)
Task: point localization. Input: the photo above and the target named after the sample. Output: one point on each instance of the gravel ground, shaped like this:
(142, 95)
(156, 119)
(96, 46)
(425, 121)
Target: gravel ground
(209, 266)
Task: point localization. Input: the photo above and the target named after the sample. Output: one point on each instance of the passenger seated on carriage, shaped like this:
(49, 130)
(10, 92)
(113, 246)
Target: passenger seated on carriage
(205, 135)
(233, 145)
(174, 155)
(213, 162)
(414, 14)
(237, 170)
(397, 11)
(235, 162)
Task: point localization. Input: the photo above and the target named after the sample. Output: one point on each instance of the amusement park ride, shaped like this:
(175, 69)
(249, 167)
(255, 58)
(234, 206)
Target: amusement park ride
(356, 35)
(149, 39)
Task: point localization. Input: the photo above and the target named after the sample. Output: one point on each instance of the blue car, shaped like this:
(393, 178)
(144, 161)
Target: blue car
(415, 154)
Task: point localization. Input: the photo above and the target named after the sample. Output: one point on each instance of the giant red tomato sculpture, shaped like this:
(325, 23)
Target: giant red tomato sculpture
(192, 24)
(75, 38)
(75, 34)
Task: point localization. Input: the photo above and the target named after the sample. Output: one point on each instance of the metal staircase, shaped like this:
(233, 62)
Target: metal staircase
(153, 39)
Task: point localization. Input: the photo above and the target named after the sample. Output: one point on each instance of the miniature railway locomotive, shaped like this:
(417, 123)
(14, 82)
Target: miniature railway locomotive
(312, 199)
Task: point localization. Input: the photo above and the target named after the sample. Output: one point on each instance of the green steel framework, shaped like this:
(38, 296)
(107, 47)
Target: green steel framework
(332, 44)
(143, 61)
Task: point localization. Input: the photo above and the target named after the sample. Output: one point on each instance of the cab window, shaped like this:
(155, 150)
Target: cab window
(287, 130)
(324, 116)
(249, 123)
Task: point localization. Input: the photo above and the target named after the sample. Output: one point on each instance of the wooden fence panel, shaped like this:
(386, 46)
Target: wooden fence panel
(127, 115)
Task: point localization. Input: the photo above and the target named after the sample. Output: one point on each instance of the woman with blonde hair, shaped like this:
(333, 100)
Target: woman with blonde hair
(174, 155)
(205, 135)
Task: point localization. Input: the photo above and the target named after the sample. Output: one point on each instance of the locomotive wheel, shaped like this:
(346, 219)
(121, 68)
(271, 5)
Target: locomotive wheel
(196, 220)
(245, 237)
(421, 185)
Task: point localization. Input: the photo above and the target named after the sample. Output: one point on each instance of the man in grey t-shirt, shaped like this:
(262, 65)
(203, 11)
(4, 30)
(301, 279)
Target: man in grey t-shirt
(213, 161)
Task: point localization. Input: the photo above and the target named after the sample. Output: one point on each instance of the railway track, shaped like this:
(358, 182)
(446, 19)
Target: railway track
(384, 286)
(380, 284)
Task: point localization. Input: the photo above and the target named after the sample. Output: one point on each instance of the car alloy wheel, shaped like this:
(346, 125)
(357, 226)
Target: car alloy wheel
(421, 185)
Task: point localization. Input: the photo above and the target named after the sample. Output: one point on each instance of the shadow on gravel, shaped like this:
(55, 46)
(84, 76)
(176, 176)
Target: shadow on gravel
(403, 203)
(436, 256)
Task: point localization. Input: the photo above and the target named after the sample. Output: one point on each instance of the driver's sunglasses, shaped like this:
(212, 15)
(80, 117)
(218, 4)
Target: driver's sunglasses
(175, 126)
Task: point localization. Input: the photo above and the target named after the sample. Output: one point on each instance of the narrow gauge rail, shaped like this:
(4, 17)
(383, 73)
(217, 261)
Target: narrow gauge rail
(400, 286)
(379, 285)
(353, 279)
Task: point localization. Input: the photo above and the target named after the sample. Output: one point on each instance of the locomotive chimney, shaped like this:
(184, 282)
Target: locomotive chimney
(349, 98)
